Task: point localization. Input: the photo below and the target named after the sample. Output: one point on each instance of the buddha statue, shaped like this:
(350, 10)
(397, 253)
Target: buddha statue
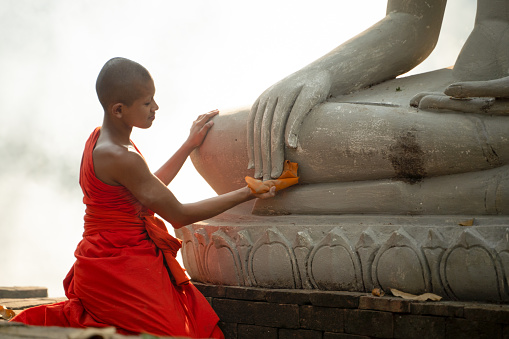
(370, 142)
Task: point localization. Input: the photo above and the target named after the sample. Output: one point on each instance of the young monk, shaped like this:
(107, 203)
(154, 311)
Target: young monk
(126, 274)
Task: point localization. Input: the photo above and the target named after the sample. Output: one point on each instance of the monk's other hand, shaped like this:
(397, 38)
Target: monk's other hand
(200, 128)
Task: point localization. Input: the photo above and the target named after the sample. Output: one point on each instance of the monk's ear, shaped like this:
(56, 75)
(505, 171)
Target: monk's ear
(117, 110)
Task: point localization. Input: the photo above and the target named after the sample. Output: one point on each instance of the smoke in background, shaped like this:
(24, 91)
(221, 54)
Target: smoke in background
(202, 54)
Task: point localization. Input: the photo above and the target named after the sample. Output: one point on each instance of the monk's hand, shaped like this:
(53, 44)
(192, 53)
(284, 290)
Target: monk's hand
(481, 97)
(200, 128)
(269, 194)
(277, 115)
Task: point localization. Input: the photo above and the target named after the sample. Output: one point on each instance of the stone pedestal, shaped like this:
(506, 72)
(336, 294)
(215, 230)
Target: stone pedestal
(415, 254)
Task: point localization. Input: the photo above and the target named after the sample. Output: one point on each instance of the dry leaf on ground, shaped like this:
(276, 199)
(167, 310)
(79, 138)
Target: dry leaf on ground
(422, 297)
(468, 222)
(6, 313)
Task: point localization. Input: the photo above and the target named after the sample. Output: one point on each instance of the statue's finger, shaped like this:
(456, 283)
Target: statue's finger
(498, 88)
(307, 99)
(265, 137)
(281, 114)
(418, 97)
(257, 130)
(470, 105)
(250, 134)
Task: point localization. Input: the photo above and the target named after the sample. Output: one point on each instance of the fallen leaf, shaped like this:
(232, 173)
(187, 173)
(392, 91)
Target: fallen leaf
(377, 292)
(422, 297)
(6, 313)
(468, 222)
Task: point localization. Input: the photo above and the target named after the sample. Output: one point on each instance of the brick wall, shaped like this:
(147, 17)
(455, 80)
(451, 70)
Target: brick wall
(264, 313)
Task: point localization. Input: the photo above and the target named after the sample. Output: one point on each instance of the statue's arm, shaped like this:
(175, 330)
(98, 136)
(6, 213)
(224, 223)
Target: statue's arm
(394, 45)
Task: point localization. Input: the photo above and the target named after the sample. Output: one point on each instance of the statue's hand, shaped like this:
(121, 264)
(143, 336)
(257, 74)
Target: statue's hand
(277, 115)
(482, 97)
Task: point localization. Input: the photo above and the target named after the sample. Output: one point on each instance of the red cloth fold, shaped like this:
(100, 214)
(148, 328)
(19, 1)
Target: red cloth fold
(124, 271)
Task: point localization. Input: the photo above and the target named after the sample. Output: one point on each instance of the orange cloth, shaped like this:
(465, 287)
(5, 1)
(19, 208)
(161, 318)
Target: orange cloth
(124, 271)
(286, 179)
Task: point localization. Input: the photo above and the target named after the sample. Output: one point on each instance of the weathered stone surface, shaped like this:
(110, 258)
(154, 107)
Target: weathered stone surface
(464, 328)
(413, 326)
(328, 335)
(230, 330)
(216, 291)
(21, 304)
(335, 299)
(17, 330)
(245, 293)
(369, 323)
(256, 332)
(257, 313)
(299, 334)
(488, 313)
(365, 249)
(322, 318)
(23, 292)
(394, 305)
(443, 309)
(299, 297)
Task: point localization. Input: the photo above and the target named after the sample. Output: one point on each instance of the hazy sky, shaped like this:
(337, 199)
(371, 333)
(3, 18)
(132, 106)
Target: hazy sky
(202, 55)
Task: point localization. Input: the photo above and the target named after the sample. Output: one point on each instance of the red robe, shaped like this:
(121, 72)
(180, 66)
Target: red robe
(125, 274)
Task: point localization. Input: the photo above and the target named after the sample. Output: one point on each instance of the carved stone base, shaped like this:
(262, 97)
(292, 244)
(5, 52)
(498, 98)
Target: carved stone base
(415, 254)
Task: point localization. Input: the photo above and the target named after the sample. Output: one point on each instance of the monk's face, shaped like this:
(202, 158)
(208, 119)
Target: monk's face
(141, 113)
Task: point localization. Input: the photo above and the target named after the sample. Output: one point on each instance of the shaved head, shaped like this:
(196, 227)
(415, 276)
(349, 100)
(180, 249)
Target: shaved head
(119, 82)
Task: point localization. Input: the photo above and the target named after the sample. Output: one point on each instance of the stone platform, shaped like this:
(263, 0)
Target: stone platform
(459, 257)
(249, 313)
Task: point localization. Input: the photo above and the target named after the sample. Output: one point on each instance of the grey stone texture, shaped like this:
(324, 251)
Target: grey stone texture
(414, 254)
(390, 317)
(23, 292)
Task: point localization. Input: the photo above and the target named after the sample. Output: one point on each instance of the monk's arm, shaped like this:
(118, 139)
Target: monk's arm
(154, 194)
(198, 132)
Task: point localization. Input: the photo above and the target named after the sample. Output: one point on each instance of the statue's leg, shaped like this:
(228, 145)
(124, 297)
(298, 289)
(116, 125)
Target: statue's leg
(483, 192)
(343, 142)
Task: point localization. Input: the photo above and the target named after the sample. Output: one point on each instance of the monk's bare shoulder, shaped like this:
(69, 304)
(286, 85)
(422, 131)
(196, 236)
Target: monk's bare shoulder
(113, 162)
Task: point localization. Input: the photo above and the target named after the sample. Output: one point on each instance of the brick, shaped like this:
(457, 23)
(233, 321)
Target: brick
(487, 312)
(233, 311)
(286, 296)
(505, 333)
(23, 292)
(463, 328)
(329, 335)
(335, 299)
(369, 323)
(213, 291)
(257, 313)
(322, 318)
(441, 309)
(246, 293)
(394, 305)
(299, 334)
(417, 326)
(256, 332)
(275, 315)
(229, 329)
